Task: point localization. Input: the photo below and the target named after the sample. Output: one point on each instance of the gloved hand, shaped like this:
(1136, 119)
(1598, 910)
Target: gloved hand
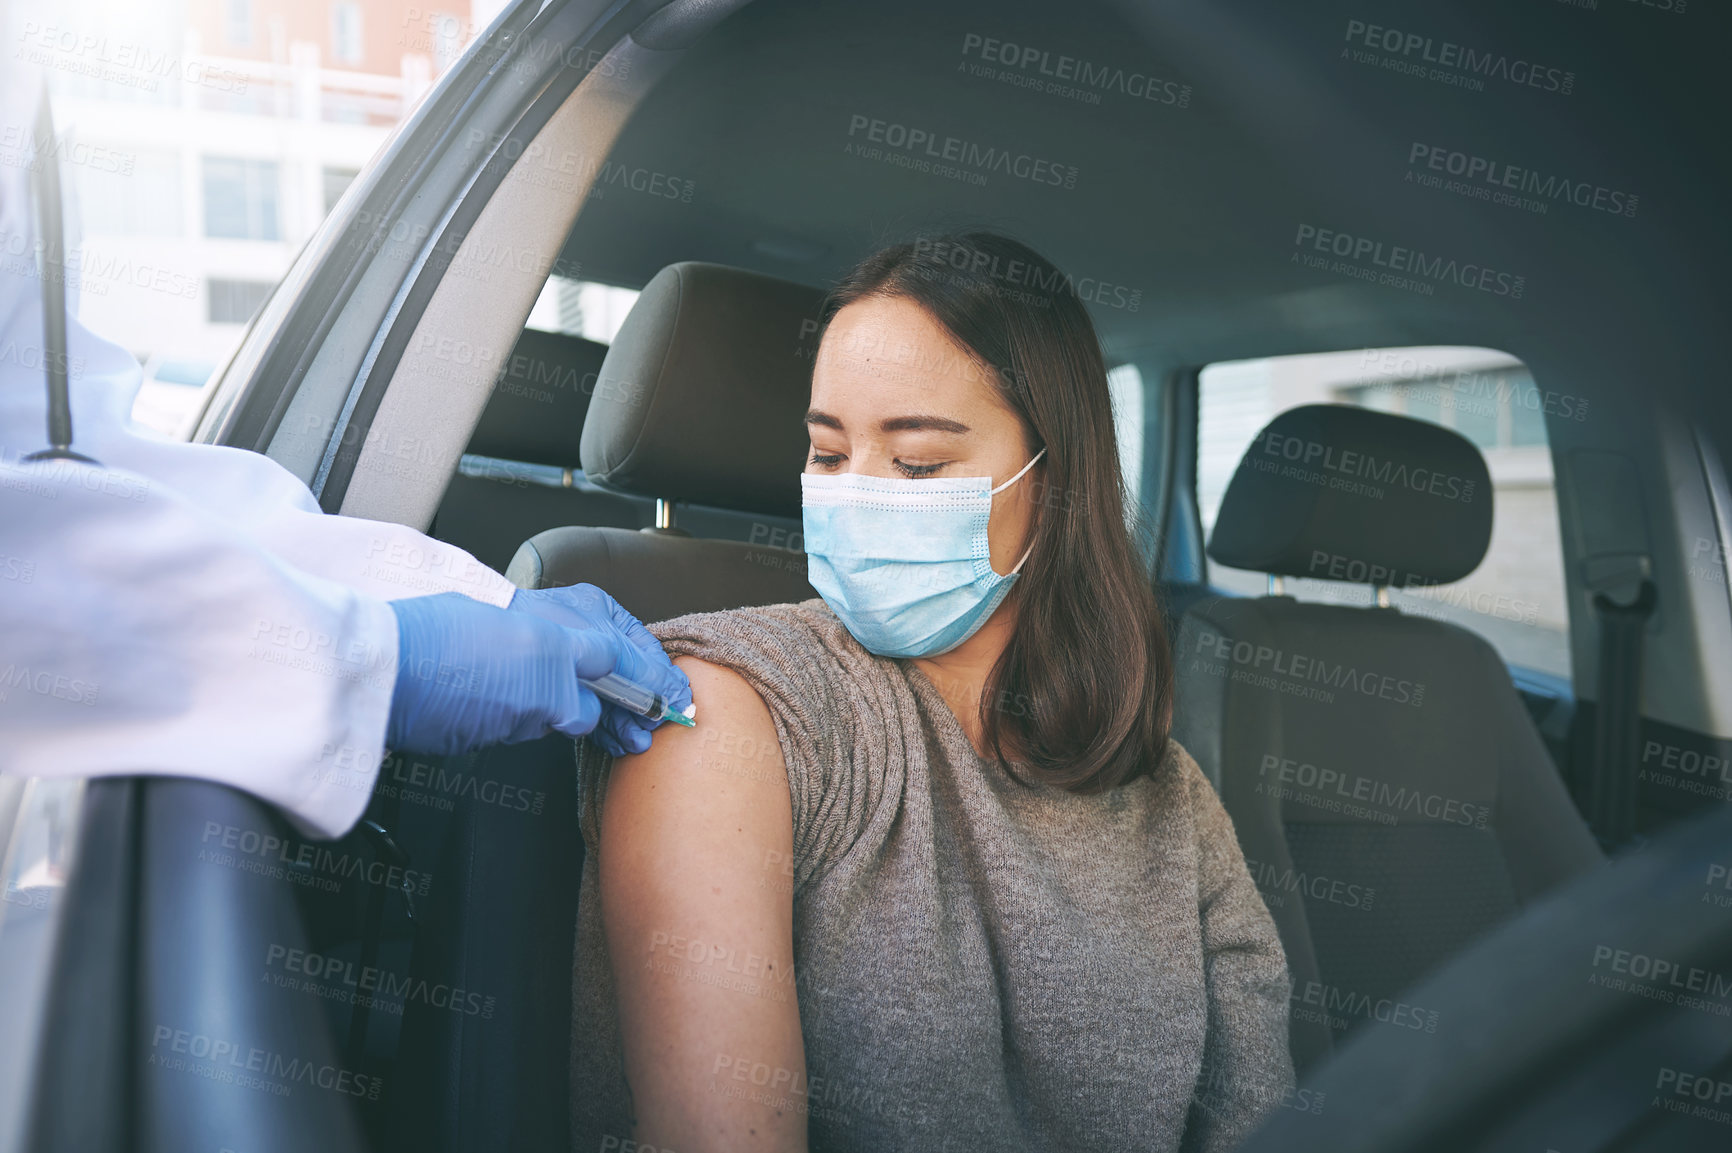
(642, 659)
(470, 674)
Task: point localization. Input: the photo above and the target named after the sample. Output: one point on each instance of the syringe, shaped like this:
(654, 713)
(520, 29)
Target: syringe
(633, 696)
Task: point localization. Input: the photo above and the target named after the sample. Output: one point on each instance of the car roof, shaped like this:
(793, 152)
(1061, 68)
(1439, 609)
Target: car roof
(1196, 208)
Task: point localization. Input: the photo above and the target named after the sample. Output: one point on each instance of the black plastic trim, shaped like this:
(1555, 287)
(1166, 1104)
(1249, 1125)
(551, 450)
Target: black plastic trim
(84, 1096)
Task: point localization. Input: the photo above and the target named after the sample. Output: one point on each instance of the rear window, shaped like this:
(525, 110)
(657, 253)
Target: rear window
(583, 308)
(1515, 598)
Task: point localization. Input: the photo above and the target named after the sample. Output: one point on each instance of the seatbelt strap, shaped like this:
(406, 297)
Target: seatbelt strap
(1613, 768)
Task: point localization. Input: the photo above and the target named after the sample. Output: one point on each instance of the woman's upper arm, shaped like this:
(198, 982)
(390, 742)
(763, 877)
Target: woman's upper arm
(696, 880)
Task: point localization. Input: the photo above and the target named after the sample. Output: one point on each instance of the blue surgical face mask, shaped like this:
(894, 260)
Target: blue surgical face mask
(904, 564)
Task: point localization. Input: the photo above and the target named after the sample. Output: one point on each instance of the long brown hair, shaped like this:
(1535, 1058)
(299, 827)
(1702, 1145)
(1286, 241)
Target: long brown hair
(1082, 694)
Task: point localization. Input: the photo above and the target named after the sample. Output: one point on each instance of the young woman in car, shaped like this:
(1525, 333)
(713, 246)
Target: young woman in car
(929, 873)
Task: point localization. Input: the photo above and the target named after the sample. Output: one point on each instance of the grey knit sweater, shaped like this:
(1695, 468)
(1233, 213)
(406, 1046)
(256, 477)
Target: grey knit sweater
(979, 965)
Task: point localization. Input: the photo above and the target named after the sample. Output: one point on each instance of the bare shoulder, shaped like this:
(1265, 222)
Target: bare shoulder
(706, 786)
(732, 747)
(698, 917)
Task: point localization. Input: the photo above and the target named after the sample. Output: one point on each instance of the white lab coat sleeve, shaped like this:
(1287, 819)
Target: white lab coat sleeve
(262, 499)
(191, 611)
(140, 635)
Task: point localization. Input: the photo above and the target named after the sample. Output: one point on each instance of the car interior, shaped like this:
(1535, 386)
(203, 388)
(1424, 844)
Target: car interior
(1490, 807)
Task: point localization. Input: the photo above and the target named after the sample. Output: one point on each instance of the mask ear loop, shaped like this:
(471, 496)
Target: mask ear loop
(1018, 476)
(1007, 484)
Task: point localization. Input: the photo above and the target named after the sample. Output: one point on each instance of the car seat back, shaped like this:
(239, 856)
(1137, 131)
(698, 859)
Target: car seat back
(1390, 793)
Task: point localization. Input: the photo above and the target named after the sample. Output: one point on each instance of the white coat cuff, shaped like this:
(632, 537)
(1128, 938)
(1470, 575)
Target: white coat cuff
(339, 783)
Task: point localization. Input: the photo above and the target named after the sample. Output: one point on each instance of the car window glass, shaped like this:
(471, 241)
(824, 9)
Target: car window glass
(1515, 598)
(1126, 385)
(581, 308)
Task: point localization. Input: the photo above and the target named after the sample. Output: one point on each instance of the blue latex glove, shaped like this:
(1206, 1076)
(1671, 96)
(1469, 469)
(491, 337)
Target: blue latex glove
(642, 660)
(470, 674)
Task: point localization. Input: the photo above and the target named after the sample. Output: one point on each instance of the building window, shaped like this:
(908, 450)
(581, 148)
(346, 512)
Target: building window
(238, 21)
(240, 198)
(346, 33)
(235, 301)
(337, 181)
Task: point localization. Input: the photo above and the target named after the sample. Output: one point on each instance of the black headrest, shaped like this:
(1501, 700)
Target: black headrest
(703, 394)
(537, 408)
(1334, 492)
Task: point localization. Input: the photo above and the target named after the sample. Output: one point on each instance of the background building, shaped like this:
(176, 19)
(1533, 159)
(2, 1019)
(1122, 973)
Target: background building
(205, 140)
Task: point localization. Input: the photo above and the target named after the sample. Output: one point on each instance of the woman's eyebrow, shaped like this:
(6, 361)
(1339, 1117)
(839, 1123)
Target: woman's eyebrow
(912, 423)
(921, 421)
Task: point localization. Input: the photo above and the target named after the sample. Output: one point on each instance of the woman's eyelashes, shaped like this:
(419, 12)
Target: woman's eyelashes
(832, 459)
